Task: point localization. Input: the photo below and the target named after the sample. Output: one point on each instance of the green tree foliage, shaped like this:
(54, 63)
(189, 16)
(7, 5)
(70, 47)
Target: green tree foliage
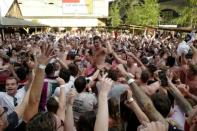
(146, 13)
(188, 14)
(115, 14)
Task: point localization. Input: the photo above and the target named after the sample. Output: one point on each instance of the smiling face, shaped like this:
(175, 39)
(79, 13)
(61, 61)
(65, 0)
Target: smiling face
(97, 43)
(11, 86)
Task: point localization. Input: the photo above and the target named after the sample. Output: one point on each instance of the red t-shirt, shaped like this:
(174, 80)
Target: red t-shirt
(187, 127)
(3, 76)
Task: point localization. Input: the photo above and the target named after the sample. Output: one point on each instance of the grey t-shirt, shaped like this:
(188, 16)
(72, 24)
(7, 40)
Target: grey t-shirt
(84, 102)
(116, 91)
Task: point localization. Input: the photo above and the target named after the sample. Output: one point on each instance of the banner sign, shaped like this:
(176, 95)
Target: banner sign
(78, 7)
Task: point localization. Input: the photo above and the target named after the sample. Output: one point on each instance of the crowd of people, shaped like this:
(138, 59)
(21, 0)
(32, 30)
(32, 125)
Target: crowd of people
(98, 81)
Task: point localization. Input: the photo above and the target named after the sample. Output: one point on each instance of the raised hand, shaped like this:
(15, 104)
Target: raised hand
(169, 76)
(46, 54)
(184, 89)
(122, 70)
(106, 84)
(153, 126)
(11, 67)
(129, 95)
(156, 75)
(31, 64)
(71, 97)
(95, 75)
(60, 81)
(109, 48)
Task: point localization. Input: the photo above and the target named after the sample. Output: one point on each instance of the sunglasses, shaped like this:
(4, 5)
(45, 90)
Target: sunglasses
(5, 110)
(15, 101)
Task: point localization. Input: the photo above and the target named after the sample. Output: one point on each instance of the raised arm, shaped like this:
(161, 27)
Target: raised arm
(62, 103)
(185, 92)
(193, 97)
(11, 68)
(137, 60)
(152, 88)
(145, 34)
(20, 109)
(69, 120)
(121, 61)
(194, 59)
(154, 34)
(102, 117)
(35, 92)
(110, 50)
(63, 65)
(132, 104)
(153, 126)
(145, 102)
(181, 101)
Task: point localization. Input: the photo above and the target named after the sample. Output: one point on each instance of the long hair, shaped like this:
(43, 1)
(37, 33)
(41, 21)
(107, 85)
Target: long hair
(114, 113)
(86, 121)
(42, 122)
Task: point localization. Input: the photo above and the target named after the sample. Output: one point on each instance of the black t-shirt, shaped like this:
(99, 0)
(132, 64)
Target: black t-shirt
(173, 128)
(12, 121)
(21, 127)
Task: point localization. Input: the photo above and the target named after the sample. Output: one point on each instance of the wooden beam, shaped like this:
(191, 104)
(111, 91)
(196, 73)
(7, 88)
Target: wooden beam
(63, 17)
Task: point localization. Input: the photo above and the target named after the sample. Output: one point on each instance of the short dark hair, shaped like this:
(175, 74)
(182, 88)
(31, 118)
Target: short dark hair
(152, 68)
(144, 60)
(21, 73)
(188, 37)
(71, 56)
(65, 74)
(145, 76)
(161, 102)
(170, 61)
(50, 68)
(96, 38)
(112, 74)
(11, 78)
(52, 105)
(73, 69)
(80, 84)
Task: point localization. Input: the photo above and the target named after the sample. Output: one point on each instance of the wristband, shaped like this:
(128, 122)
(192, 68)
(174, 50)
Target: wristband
(130, 100)
(89, 78)
(131, 75)
(42, 66)
(90, 90)
(130, 81)
(61, 86)
(57, 58)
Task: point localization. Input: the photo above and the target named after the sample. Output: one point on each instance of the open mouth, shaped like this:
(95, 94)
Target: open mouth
(10, 90)
(96, 46)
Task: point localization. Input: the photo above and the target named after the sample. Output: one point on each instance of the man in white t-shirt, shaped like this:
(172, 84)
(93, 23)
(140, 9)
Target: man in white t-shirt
(184, 46)
(65, 74)
(12, 97)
